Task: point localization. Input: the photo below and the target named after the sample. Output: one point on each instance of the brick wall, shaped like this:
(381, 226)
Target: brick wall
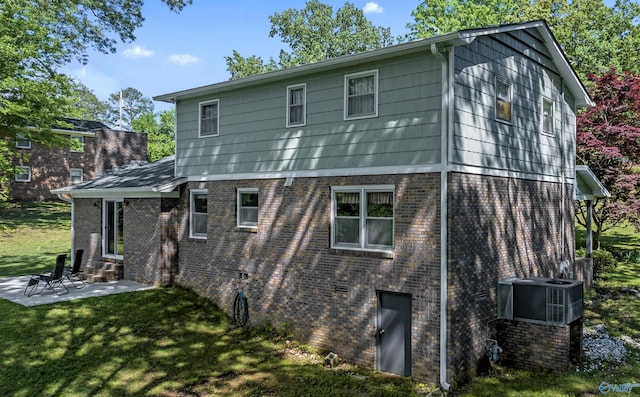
(88, 229)
(293, 273)
(537, 346)
(498, 227)
(118, 148)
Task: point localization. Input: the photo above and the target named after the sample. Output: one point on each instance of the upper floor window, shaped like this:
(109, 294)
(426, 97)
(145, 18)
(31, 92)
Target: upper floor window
(362, 217)
(361, 95)
(547, 116)
(75, 175)
(248, 207)
(23, 173)
(296, 105)
(209, 119)
(503, 99)
(198, 213)
(77, 143)
(22, 142)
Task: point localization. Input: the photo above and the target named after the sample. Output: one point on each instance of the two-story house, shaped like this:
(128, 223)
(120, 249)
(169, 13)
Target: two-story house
(93, 148)
(369, 203)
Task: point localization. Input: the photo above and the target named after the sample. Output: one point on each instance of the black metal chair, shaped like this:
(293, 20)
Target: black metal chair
(73, 273)
(48, 280)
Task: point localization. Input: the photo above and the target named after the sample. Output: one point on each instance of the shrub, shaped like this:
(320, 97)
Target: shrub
(603, 261)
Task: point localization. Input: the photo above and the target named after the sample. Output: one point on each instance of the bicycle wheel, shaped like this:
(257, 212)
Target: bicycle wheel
(240, 310)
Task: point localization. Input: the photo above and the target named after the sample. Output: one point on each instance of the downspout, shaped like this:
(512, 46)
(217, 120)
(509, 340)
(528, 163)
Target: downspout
(444, 160)
(563, 178)
(73, 224)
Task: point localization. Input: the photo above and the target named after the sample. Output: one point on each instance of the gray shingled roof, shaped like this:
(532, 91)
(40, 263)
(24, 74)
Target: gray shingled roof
(148, 177)
(83, 125)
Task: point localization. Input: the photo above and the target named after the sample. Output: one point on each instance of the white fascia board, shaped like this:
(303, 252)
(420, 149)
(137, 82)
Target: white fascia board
(114, 193)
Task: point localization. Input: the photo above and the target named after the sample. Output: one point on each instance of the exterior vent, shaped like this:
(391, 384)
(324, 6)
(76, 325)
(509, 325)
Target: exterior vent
(341, 289)
(540, 300)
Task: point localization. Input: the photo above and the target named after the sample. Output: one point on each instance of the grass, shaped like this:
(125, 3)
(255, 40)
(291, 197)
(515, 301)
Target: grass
(171, 342)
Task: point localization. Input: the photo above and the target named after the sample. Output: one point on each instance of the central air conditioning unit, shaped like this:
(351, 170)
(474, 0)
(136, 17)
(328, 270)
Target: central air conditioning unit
(540, 300)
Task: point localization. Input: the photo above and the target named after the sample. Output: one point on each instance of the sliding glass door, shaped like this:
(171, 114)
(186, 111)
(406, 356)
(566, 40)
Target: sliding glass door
(113, 227)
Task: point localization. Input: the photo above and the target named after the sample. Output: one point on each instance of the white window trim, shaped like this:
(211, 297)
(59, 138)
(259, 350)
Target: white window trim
(71, 175)
(21, 139)
(81, 138)
(192, 193)
(200, 105)
(362, 217)
(347, 77)
(238, 206)
(553, 116)
(506, 81)
(26, 170)
(304, 105)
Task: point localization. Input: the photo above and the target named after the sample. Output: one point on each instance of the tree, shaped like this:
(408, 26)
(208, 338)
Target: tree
(86, 105)
(39, 37)
(160, 135)
(313, 34)
(123, 107)
(594, 36)
(608, 141)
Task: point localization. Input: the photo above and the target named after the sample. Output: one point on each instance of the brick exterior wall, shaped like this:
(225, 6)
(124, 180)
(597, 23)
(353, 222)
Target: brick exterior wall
(537, 346)
(293, 273)
(50, 167)
(88, 229)
(498, 227)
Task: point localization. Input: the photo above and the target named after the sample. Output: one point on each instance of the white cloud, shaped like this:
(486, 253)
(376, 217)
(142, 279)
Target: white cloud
(372, 7)
(183, 59)
(137, 52)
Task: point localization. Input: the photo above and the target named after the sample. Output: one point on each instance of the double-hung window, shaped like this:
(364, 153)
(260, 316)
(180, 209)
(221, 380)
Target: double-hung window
(547, 116)
(23, 142)
(503, 99)
(248, 207)
(23, 173)
(296, 105)
(75, 175)
(77, 143)
(198, 211)
(361, 95)
(362, 217)
(209, 118)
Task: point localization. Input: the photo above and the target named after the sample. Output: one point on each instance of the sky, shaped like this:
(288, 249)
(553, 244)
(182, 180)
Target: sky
(178, 51)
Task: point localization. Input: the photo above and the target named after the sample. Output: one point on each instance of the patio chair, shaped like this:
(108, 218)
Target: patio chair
(49, 280)
(73, 273)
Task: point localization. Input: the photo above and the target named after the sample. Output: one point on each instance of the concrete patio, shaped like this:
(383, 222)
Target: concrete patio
(12, 289)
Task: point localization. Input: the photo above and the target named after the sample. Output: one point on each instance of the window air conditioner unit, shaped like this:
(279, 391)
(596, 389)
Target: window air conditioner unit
(540, 300)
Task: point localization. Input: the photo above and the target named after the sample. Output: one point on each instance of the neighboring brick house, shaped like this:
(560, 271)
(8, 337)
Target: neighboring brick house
(370, 202)
(42, 169)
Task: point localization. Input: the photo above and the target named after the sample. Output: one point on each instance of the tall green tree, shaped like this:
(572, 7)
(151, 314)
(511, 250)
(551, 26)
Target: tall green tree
(312, 34)
(38, 38)
(86, 105)
(160, 130)
(123, 107)
(594, 35)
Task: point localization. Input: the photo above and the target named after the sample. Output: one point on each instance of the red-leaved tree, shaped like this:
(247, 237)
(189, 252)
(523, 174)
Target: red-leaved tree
(608, 141)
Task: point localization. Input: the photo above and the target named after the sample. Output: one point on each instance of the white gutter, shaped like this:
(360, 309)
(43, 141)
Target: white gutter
(444, 161)
(73, 227)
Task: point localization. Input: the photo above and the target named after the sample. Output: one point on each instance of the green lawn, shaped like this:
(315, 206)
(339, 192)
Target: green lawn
(170, 342)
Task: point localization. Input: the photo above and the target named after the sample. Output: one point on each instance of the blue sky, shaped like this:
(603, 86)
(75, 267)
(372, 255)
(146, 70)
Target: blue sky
(173, 51)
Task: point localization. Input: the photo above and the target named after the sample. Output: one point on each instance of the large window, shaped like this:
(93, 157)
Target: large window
(75, 175)
(23, 142)
(23, 173)
(296, 105)
(198, 218)
(361, 95)
(77, 143)
(209, 118)
(547, 116)
(503, 99)
(362, 217)
(248, 207)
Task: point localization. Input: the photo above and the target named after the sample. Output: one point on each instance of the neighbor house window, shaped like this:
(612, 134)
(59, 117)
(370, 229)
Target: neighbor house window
(23, 173)
(248, 207)
(23, 142)
(198, 219)
(503, 99)
(362, 217)
(361, 95)
(77, 144)
(76, 175)
(296, 105)
(547, 116)
(209, 118)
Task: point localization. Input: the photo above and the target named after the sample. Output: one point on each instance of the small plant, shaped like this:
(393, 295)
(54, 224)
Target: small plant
(603, 262)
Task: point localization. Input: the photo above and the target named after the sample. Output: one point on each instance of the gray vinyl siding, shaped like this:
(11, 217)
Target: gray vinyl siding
(254, 138)
(520, 146)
